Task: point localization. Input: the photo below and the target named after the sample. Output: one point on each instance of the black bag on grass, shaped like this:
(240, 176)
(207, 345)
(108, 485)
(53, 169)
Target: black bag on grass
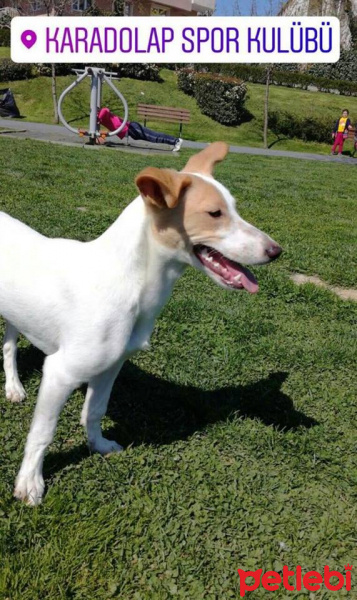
(8, 106)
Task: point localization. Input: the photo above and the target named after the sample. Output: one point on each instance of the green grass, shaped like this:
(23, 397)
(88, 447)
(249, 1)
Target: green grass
(239, 425)
(4, 52)
(35, 103)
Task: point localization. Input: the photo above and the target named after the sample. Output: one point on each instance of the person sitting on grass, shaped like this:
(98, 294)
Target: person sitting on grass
(136, 131)
(340, 131)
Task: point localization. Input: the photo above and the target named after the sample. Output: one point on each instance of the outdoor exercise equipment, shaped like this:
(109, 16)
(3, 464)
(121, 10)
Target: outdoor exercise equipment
(98, 77)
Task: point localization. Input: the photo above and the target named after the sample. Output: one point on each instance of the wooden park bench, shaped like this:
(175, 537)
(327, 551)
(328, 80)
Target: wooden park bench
(163, 113)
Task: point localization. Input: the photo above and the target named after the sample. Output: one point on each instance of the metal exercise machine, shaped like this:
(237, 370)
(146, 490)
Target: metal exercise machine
(98, 77)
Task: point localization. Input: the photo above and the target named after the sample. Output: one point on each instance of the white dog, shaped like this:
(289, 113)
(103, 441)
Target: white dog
(89, 306)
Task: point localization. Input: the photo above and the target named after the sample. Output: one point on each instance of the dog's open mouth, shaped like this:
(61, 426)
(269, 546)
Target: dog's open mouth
(230, 273)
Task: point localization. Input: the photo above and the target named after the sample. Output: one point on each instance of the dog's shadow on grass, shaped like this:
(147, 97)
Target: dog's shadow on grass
(149, 410)
(146, 409)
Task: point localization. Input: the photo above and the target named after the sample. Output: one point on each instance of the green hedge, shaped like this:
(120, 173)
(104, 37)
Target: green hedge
(344, 69)
(135, 71)
(45, 70)
(308, 129)
(186, 81)
(146, 72)
(303, 80)
(61, 69)
(10, 71)
(221, 98)
(5, 37)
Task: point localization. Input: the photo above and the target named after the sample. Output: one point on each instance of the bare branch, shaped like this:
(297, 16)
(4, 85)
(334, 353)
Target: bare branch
(253, 8)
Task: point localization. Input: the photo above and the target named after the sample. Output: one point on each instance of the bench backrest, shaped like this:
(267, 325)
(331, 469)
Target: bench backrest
(163, 113)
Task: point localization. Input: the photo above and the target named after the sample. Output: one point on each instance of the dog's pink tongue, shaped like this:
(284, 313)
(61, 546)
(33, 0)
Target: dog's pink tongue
(249, 282)
(247, 278)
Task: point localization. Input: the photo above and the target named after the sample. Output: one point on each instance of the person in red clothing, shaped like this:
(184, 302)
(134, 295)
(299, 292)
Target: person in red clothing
(136, 131)
(340, 132)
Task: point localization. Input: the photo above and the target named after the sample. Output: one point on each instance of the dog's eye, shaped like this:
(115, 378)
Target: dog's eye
(215, 213)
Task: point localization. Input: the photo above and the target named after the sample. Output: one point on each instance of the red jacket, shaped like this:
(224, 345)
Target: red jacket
(112, 122)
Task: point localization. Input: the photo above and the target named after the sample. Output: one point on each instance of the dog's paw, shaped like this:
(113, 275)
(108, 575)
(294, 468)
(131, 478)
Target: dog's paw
(104, 446)
(29, 489)
(15, 392)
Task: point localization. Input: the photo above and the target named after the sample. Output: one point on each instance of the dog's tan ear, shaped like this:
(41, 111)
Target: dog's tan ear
(204, 161)
(162, 187)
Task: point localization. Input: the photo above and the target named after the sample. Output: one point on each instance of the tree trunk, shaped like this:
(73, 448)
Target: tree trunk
(266, 107)
(54, 92)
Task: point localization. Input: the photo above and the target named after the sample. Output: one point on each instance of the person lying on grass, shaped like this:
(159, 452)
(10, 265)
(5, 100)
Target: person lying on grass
(136, 131)
(340, 131)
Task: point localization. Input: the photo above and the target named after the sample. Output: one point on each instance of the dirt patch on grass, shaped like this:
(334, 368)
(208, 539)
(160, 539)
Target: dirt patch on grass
(344, 293)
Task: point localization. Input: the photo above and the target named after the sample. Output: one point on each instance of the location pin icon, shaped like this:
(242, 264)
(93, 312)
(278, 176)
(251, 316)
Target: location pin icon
(28, 38)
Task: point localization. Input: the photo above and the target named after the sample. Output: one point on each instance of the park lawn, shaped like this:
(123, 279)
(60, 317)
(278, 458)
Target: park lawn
(35, 103)
(239, 425)
(4, 52)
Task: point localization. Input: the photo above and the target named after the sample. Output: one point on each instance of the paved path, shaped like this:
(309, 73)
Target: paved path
(60, 135)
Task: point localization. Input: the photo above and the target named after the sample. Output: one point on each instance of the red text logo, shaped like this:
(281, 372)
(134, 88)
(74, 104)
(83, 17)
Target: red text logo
(311, 581)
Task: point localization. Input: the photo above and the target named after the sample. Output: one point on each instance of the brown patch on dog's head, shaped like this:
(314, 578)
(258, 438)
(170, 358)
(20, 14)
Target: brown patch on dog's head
(162, 188)
(190, 220)
(205, 161)
(185, 208)
(202, 215)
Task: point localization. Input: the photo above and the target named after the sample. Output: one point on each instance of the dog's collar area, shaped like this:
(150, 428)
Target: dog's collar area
(231, 273)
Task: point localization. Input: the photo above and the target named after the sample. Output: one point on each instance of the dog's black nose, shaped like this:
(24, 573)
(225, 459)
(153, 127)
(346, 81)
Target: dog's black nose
(274, 251)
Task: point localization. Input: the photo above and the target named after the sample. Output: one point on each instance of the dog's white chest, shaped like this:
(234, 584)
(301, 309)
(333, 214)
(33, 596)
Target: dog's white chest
(154, 296)
(140, 337)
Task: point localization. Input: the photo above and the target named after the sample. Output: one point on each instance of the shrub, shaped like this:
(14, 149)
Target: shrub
(94, 11)
(4, 36)
(134, 71)
(303, 80)
(147, 72)
(292, 67)
(344, 69)
(221, 98)
(255, 74)
(309, 129)
(171, 66)
(10, 71)
(45, 70)
(42, 70)
(345, 88)
(186, 81)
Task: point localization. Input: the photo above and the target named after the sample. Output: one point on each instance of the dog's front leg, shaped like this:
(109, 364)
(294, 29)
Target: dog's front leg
(94, 409)
(13, 387)
(56, 386)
